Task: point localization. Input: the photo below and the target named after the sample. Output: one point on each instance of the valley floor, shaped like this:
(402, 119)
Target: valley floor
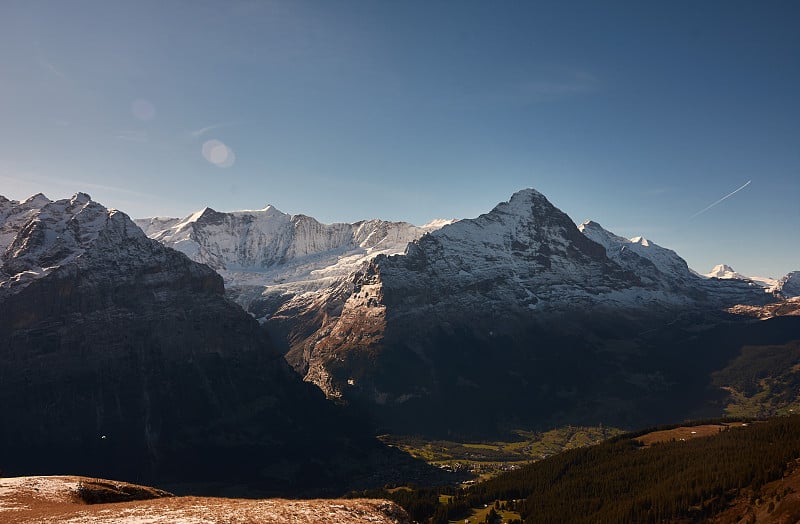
(486, 459)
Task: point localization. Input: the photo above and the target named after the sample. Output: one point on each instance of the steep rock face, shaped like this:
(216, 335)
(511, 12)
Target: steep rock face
(122, 357)
(266, 257)
(520, 316)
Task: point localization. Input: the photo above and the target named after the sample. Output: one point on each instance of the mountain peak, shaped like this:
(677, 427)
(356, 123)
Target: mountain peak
(271, 210)
(80, 199)
(37, 200)
(206, 212)
(591, 224)
(525, 213)
(520, 202)
(722, 271)
(528, 193)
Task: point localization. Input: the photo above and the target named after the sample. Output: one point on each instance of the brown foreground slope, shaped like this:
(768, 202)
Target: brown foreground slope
(62, 499)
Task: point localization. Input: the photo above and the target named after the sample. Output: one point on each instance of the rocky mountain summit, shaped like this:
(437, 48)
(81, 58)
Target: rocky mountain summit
(120, 356)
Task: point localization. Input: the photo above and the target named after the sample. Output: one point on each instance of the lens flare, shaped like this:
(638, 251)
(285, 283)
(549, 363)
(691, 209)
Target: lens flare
(143, 110)
(218, 153)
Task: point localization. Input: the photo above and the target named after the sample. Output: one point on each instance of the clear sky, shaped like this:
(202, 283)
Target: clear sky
(638, 115)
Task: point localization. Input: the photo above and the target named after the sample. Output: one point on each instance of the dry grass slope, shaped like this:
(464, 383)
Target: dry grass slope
(80, 500)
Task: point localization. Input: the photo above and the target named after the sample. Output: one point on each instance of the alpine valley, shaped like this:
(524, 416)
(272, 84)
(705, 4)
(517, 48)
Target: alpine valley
(200, 351)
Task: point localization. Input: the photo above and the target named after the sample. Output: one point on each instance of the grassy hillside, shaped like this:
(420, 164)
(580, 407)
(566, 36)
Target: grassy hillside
(762, 381)
(636, 478)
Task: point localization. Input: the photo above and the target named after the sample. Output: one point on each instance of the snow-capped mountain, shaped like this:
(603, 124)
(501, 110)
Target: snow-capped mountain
(120, 356)
(726, 272)
(39, 236)
(524, 253)
(519, 265)
(267, 256)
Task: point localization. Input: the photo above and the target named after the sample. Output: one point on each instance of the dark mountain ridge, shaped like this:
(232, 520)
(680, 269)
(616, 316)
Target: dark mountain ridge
(122, 358)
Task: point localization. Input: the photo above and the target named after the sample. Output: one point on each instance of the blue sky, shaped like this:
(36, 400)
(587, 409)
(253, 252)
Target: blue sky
(635, 114)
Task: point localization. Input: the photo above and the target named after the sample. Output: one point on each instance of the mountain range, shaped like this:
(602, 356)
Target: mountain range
(517, 303)
(266, 256)
(123, 351)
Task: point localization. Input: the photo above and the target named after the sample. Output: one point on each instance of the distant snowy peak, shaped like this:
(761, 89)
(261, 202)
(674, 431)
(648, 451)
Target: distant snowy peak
(638, 254)
(726, 272)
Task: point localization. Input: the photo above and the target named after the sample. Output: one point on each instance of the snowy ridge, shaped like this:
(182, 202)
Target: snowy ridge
(38, 236)
(266, 252)
(648, 260)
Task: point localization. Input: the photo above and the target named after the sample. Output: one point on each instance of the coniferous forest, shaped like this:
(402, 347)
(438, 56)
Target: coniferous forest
(622, 480)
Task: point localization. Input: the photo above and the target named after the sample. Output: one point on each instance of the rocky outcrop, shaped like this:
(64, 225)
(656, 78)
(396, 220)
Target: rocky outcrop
(781, 308)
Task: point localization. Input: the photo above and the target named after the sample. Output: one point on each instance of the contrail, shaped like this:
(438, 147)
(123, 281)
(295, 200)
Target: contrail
(720, 200)
(204, 130)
